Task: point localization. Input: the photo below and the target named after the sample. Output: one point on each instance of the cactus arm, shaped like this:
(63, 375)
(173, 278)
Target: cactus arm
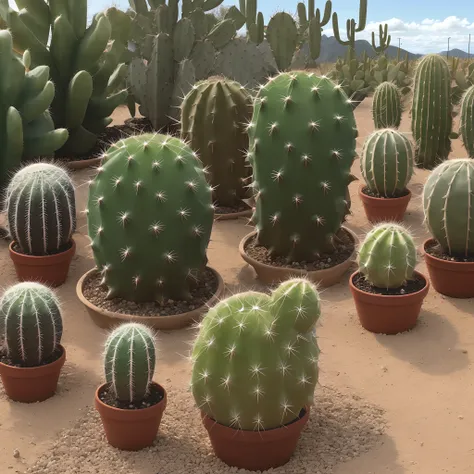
(78, 16)
(14, 143)
(77, 99)
(467, 121)
(362, 16)
(282, 34)
(234, 14)
(35, 106)
(63, 43)
(384, 39)
(209, 5)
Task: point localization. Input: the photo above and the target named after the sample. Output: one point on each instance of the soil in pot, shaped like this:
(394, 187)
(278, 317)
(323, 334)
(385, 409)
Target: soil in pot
(225, 212)
(412, 286)
(379, 208)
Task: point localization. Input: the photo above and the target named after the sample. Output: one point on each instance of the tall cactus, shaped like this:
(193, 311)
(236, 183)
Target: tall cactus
(30, 323)
(467, 121)
(255, 360)
(431, 113)
(387, 106)
(41, 209)
(448, 203)
(384, 39)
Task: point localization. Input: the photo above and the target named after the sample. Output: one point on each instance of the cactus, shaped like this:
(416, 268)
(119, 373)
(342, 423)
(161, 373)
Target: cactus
(255, 360)
(464, 80)
(387, 106)
(214, 115)
(41, 209)
(448, 203)
(302, 146)
(387, 162)
(387, 257)
(150, 216)
(384, 39)
(30, 324)
(467, 121)
(431, 113)
(129, 361)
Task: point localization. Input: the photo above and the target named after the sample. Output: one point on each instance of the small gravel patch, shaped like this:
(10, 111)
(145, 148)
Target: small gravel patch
(220, 210)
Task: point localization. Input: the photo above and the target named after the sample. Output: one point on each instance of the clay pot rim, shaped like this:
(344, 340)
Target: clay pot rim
(232, 215)
(393, 200)
(447, 265)
(76, 165)
(37, 260)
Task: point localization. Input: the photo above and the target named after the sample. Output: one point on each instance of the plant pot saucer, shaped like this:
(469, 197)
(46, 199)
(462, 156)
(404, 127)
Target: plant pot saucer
(380, 210)
(272, 274)
(108, 319)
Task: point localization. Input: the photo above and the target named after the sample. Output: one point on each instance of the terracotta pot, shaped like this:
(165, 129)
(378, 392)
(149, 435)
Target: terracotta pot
(32, 384)
(388, 314)
(271, 275)
(455, 279)
(254, 450)
(232, 215)
(109, 319)
(76, 165)
(384, 209)
(51, 270)
(130, 430)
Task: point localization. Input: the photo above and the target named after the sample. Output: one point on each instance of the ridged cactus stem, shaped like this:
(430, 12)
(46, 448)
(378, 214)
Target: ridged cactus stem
(387, 106)
(351, 26)
(384, 39)
(467, 121)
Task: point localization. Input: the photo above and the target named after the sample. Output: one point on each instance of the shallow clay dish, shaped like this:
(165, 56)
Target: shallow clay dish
(109, 319)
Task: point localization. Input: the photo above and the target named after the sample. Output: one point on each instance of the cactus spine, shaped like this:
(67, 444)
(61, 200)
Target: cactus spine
(41, 209)
(150, 216)
(387, 257)
(387, 162)
(448, 203)
(30, 323)
(387, 106)
(431, 119)
(467, 121)
(129, 362)
(255, 360)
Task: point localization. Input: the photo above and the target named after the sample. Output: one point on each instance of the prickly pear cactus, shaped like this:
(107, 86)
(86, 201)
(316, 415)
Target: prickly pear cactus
(387, 106)
(387, 162)
(302, 146)
(255, 360)
(431, 113)
(150, 216)
(214, 117)
(448, 203)
(387, 256)
(129, 361)
(467, 121)
(30, 323)
(41, 209)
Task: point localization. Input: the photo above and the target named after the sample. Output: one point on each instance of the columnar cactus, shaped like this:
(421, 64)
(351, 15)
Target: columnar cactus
(387, 106)
(150, 216)
(41, 209)
(129, 361)
(30, 324)
(448, 203)
(255, 360)
(431, 113)
(387, 162)
(467, 121)
(302, 146)
(214, 116)
(387, 257)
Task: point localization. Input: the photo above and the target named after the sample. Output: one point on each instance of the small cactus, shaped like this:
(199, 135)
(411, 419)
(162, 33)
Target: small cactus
(30, 323)
(387, 257)
(255, 360)
(387, 162)
(448, 203)
(387, 106)
(129, 361)
(467, 121)
(41, 209)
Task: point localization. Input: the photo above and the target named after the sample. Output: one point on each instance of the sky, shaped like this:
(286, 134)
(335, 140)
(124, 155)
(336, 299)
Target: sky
(423, 25)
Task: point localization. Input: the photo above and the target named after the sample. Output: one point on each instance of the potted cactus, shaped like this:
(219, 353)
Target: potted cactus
(31, 354)
(387, 291)
(255, 368)
(387, 166)
(130, 404)
(448, 204)
(41, 213)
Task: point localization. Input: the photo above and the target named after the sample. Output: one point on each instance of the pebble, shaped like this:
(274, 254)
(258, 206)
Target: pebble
(16, 453)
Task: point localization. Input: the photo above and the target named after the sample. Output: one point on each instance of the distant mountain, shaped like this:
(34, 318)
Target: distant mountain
(456, 53)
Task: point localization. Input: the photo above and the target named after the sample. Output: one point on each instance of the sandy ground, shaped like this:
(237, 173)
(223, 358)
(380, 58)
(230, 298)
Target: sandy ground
(419, 384)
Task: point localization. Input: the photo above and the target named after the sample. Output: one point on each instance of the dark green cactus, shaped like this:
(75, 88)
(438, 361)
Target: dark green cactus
(214, 116)
(351, 26)
(387, 106)
(302, 146)
(282, 35)
(255, 360)
(396, 73)
(150, 216)
(384, 39)
(467, 121)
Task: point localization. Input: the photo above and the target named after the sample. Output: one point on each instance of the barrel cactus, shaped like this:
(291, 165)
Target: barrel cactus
(387, 106)
(467, 121)
(255, 360)
(214, 117)
(431, 113)
(41, 209)
(129, 361)
(448, 203)
(30, 324)
(302, 146)
(150, 217)
(387, 257)
(387, 162)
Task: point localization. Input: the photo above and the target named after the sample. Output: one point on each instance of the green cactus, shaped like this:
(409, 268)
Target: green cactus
(397, 74)
(448, 203)
(306, 125)
(255, 360)
(351, 26)
(150, 216)
(387, 162)
(467, 121)
(129, 361)
(30, 324)
(431, 113)
(282, 35)
(387, 106)
(464, 80)
(384, 39)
